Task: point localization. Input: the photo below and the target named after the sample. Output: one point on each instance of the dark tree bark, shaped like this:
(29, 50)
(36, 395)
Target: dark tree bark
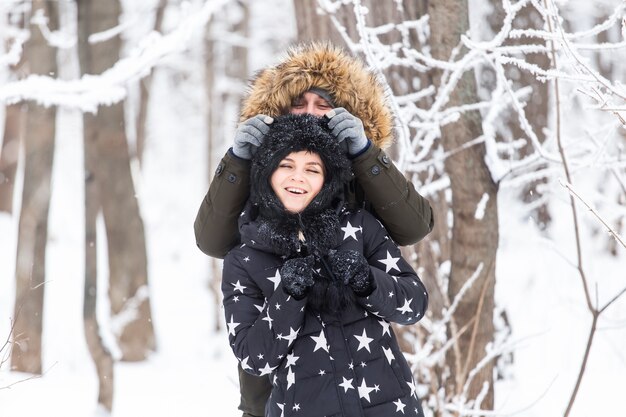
(474, 240)
(128, 288)
(33, 224)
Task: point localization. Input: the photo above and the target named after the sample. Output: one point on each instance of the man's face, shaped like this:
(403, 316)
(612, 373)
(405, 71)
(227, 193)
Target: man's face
(297, 180)
(310, 103)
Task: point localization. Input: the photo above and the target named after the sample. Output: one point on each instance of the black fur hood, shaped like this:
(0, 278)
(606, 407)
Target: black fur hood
(267, 220)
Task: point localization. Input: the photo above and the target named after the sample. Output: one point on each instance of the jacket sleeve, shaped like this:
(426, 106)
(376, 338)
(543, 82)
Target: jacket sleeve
(215, 226)
(260, 331)
(399, 295)
(405, 213)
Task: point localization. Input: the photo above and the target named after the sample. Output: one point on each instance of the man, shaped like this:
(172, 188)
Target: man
(322, 80)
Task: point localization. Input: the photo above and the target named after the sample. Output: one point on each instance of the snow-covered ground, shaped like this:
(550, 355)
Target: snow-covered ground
(193, 372)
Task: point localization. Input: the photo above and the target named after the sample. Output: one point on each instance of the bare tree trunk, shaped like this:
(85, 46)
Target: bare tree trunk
(474, 239)
(33, 224)
(13, 131)
(230, 61)
(318, 27)
(128, 289)
(100, 355)
(144, 86)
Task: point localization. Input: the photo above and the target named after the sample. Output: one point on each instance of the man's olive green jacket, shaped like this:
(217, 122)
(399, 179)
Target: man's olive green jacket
(377, 186)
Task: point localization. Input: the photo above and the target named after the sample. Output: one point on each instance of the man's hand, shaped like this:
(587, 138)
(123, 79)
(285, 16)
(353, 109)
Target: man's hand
(249, 135)
(346, 127)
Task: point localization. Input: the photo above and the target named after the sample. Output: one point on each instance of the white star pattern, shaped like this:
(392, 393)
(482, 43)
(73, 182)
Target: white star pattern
(238, 287)
(364, 390)
(282, 409)
(292, 336)
(267, 318)
(320, 342)
(244, 363)
(236, 298)
(411, 385)
(346, 384)
(322, 372)
(350, 231)
(364, 341)
(390, 263)
(400, 406)
(388, 354)
(277, 306)
(386, 327)
(259, 307)
(406, 308)
(296, 407)
(275, 279)
(291, 378)
(232, 326)
(267, 369)
(291, 360)
(246, 259)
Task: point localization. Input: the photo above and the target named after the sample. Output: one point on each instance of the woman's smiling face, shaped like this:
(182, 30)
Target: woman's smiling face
(298, 178)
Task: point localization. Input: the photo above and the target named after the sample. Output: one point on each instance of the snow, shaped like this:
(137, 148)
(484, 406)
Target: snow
(193, 368)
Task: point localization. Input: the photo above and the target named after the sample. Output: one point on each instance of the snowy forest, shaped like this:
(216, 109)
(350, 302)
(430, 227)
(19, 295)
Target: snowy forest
(510, 118)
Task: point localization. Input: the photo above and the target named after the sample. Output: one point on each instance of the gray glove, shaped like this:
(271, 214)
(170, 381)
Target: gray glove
(250, 134)
(297, 276)
(346, 127)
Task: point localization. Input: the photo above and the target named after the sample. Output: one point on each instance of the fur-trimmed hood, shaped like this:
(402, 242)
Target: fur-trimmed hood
(272, 224)
(325, 66)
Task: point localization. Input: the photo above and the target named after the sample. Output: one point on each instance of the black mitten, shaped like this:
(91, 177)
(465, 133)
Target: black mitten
(297, 276)
(352, 269)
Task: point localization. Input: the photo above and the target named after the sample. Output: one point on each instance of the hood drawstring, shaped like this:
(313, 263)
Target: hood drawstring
(320, 257)
(301, 235)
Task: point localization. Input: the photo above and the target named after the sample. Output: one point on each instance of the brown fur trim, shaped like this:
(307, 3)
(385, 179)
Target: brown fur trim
(331, 68)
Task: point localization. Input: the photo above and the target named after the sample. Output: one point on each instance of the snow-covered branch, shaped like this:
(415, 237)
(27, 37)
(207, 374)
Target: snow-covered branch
(593, 211)
(91, 91)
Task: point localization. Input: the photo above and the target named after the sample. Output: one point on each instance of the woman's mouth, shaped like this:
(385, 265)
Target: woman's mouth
(294, 190)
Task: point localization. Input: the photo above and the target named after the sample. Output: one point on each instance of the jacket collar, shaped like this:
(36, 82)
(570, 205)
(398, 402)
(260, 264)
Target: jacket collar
(278, 231)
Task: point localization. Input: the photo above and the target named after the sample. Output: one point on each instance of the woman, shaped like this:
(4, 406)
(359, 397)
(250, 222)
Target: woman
(310, 292)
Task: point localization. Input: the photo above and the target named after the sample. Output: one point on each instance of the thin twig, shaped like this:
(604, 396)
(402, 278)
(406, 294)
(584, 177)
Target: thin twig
(35, 376)
(595, 213)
